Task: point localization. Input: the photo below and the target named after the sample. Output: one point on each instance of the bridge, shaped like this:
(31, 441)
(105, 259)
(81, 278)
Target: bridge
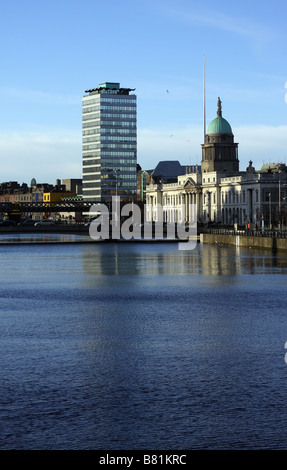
(63, 206)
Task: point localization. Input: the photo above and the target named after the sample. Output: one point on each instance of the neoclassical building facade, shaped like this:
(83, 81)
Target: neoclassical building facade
(219, 191)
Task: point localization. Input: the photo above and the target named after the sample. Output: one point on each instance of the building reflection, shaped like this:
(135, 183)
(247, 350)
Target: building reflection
(148, 259)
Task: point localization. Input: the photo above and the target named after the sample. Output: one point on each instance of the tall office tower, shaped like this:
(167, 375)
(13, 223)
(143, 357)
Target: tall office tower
(109, 143)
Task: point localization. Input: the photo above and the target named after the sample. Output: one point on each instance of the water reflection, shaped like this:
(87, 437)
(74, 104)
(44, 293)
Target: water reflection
(142, 346)
(158, 259)
(34, 238)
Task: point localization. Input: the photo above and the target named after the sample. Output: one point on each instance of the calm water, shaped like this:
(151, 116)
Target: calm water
(142, 346)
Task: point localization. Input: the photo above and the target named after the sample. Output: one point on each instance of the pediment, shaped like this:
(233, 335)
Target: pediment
(189, 184)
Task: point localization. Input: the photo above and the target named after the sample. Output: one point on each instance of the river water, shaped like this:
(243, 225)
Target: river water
(142, 346)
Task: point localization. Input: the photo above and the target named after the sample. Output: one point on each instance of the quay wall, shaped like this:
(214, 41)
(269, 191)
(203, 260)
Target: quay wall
(270, 243)
(72, 229)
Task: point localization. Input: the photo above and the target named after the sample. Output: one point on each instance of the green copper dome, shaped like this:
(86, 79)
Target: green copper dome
(219, 125)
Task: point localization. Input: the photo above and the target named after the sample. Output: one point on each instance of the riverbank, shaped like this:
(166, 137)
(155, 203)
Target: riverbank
(80, 234)
(57, 228)
(273, 243)
(62, 234)
(72, 233)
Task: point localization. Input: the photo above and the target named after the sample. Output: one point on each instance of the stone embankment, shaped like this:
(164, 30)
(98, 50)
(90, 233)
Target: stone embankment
(271, 240)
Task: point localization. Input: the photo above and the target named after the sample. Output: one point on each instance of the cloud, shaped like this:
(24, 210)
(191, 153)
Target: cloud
(44, 155)
(159, 144)
(56, 153)
(213, 18)
(38, 96)
(259, 143)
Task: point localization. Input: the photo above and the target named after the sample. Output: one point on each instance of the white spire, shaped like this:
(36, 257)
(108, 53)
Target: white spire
(204, 117)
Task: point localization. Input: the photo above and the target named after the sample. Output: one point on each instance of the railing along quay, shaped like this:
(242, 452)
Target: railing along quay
(249, 232)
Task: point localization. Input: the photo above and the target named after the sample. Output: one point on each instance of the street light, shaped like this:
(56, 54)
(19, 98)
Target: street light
(279, 203)
(116, 173)
(270, 225)
(283, 199)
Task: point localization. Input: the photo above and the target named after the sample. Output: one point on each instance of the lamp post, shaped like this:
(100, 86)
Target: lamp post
(279, 199)
(270, 225)
(116, 172)
(284, 199)
(279, 203)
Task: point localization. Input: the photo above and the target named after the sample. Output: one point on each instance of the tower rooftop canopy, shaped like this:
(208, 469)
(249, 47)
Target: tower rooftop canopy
(110, 86)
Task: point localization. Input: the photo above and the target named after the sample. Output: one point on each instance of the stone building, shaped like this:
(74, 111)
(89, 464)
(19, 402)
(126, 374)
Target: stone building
(219, 152)
(221, 193)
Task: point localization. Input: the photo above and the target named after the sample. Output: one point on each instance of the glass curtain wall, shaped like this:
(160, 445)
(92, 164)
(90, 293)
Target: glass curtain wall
(109, 143)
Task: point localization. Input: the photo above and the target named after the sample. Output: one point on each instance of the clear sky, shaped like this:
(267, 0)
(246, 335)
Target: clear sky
(51, 52)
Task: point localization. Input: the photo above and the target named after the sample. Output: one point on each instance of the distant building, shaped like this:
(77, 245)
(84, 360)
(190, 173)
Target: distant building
(44, 192)
(74, 185)
(167, 171)
(143, 180)
(57, 196)
(221, 193)
(109, 143)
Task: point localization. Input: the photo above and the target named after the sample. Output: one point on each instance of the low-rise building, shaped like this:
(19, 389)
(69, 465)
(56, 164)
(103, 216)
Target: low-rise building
(219, 191)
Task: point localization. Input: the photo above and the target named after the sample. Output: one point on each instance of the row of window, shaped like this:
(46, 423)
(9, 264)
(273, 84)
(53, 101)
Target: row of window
(120, 161)
(118, 146)
(97, 99)
(116, 131)
(91, 116)
(226, 198)
(87, 117)
(95, 154)
(118, 116)
(123, 168)
(230, 197)
(90, 101)
(119, 123)
(121, 184)
(107, 177)
(110, 156)
(109, 123)
(116, 154)
(95, 131)
(94, 193)
(98, 108)
(92, 162)
(123, 171)
(112, 132)
(119, 100)
(108, 138)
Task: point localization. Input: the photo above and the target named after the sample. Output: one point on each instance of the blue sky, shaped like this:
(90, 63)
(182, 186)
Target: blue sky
(51, 52)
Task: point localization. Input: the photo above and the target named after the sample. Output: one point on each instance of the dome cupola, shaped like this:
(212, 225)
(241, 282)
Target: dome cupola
(219, 151)
(219, 125)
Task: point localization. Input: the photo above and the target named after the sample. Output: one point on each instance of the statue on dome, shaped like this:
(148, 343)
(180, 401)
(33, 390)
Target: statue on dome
(219, 109)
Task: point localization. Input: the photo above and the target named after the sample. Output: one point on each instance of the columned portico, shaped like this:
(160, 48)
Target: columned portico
(176, 199)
